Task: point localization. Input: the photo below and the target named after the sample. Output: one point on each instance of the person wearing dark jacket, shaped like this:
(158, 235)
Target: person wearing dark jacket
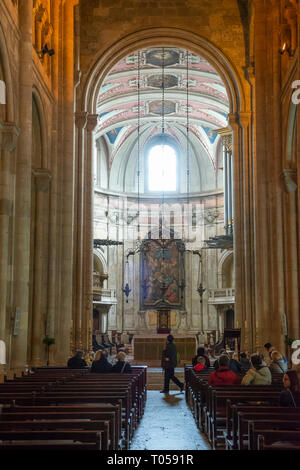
(76, 362)
(121, 367)
(290, 396)
(245, 363)
(200, 352)
(101, 365)
(170, 362)
(223, 375)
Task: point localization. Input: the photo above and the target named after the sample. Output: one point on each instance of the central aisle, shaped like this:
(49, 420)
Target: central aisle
(168, 424)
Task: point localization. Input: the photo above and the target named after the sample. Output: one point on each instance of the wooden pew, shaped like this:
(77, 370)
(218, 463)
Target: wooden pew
(217, 408)
(268, 421)
(232, 411)
(54, 440)
(104, 412)
(280, 438)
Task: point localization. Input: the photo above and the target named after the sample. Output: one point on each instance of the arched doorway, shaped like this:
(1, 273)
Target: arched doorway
(87, 116)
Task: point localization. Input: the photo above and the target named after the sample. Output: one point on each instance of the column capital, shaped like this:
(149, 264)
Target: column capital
(289, 178)
(226, 137)
(9, 133)
(92, 121)
(81, 119)
(245, 119)
(42, 179)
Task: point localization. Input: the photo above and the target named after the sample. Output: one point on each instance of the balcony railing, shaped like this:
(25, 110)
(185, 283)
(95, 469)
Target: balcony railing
(221, 296)
(105, 296)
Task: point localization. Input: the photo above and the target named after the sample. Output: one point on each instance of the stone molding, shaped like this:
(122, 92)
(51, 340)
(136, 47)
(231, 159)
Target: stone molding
(92, 121)
(9, 134)
(81, 119)
(42, 179)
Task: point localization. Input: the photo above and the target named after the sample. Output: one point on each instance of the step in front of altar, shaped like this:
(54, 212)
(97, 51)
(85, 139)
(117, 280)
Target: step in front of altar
(155, 380)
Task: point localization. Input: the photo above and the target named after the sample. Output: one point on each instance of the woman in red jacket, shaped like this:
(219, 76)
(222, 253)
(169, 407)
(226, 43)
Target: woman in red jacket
(223, 375)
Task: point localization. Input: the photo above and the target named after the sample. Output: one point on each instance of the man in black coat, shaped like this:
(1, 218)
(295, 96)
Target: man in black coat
(170, 362)
(76, 362)
(101, 364)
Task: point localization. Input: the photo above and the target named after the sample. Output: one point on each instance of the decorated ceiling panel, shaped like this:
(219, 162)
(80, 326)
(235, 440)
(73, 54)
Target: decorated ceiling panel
(161, 88)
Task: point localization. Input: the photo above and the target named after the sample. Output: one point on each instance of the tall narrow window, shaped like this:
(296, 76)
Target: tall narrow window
(162, 168)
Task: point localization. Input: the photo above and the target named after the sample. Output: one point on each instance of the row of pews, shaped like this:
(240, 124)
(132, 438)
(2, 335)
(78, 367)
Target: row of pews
(67, 409)
(238, 417)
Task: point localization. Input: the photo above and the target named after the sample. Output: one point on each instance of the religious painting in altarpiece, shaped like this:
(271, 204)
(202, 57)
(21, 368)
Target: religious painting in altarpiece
(162, 274)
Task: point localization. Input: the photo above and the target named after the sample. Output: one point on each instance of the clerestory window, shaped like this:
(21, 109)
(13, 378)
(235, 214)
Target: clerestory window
(162, 168)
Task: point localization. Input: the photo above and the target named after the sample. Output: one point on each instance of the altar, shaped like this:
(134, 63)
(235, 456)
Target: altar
(148, 348)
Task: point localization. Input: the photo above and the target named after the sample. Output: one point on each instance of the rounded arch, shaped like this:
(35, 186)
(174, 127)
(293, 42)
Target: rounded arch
(226, 269)
(100, 264)
(41, 115)
(161, 37)
(7, 77)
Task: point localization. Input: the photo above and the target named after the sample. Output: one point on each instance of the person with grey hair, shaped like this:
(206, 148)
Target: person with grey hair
(121, 367)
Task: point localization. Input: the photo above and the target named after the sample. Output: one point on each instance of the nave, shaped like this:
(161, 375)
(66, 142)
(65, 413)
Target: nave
(168, 424)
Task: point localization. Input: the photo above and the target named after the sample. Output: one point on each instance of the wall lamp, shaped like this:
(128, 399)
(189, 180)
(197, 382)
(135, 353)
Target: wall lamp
(45, 51)
(286, 48)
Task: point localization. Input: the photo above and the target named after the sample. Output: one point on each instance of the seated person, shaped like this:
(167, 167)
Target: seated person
(201, 364)
(77, 362)
(245, 363)
(223, 352)
(100, 364)
(259, 374)
(290, 396)
(235, 365)
(223, 375)
(200, 352)
(121, 366)
(277, 364)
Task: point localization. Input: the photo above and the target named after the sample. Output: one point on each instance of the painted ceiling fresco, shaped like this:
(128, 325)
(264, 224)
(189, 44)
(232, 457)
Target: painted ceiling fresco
(190, 85)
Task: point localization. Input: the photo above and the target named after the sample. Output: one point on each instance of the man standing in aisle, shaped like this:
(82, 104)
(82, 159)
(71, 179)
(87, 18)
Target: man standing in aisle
(169, 364)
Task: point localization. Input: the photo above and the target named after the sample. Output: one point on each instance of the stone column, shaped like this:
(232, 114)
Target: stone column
(240, 253)
(289, 178)
(23, 187)
(40, 291)
(66, 155)
(81, 122)
(8, 140)
(55, 206)
(88, 232)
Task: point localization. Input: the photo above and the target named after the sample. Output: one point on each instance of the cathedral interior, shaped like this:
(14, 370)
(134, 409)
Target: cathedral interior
(149, 158)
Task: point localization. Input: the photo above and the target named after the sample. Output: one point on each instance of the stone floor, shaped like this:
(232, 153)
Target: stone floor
(168, 424)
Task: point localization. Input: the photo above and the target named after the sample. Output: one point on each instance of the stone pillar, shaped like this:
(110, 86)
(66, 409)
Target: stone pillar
(8, 140)
(81, 122)
(23, 188)
(88, 232)
(289, 178)
(63, 322)
(40, 287)
(55, 233)
(242, 223)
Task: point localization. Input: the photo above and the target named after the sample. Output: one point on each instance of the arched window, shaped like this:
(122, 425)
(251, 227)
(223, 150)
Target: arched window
(162, 168)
